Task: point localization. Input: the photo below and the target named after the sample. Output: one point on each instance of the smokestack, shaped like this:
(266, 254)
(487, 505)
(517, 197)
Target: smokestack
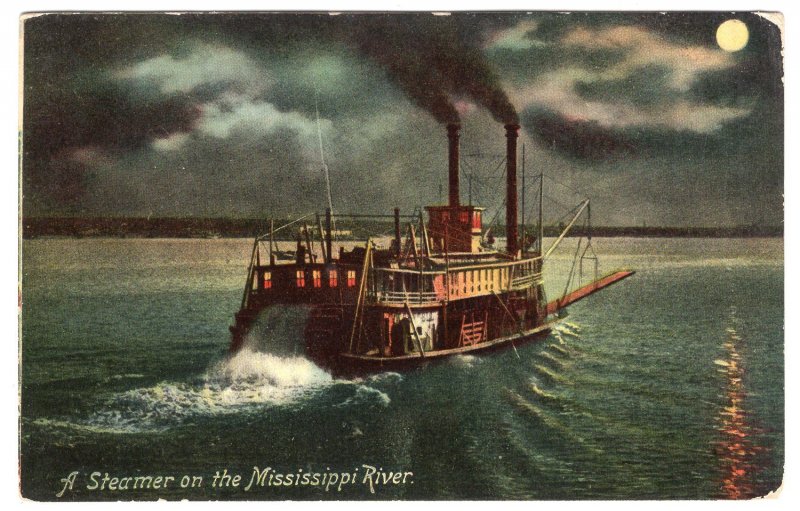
(512, 132)
(452, 136)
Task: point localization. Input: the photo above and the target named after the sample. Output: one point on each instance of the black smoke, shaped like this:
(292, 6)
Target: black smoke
(433, 59)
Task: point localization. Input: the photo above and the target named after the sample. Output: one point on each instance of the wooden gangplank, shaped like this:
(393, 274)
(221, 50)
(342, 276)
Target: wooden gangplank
(586, 290)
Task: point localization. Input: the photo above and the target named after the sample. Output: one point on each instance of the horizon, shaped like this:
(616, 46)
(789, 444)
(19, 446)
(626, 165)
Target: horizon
(116, 220)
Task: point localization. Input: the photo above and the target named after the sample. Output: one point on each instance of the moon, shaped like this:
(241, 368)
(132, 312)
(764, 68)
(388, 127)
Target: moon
(732, 35)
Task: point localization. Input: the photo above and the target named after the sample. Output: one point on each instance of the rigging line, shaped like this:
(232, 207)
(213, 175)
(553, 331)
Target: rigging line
(572, 269)
(480, 199)
(500, 166)
(261, 237)
(567, 214)
(494, 174)
(324, 165)
(487, 195)
(556, 181)
(497, 213)
(487, 181)
(560, 204)
(533, 205)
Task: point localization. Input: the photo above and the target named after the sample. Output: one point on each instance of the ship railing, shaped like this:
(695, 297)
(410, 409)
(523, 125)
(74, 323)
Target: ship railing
(401, 297)
(396, 286)
(523, 281)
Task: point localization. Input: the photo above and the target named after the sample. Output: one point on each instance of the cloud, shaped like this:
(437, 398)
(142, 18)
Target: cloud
(172, 142)
(640, 96)
(214, 115)
(557, 92)
(639, 82)
(517, 37)
(203, 65)
(229, 86)
(278, 171)
(243, 116)
(643, 48)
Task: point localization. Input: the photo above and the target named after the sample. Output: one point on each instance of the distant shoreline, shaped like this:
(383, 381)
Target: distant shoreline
(247, 228)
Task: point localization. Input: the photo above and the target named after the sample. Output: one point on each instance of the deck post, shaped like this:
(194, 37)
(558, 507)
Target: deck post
(249, 284)
(271, 242)
(309, 244)
(328, 235)
(425, 241)
(508, 311)
(362, 288)
(445, 332)
(322, 240)
(397, 238)
(414, 330)
(541, 213)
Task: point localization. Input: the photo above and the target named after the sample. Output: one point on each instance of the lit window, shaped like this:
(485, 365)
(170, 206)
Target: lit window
(351, 278)
(463, 217)
(267, 280)
(333, 278)
(317, 277)
(301, 278)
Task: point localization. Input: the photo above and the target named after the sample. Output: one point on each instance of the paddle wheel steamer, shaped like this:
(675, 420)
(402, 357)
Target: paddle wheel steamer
(437, 289)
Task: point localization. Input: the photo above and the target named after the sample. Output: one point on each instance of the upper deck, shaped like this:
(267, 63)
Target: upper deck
(426, 281)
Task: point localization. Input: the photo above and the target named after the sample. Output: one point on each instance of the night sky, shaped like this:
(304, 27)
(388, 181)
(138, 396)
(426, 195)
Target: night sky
(216, 115)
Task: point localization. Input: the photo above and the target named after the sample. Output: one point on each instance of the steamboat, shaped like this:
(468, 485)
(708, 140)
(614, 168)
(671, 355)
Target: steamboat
(436, 288)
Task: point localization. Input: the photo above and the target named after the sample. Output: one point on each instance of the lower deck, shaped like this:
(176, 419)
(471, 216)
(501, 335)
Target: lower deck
(492, 343)
(380, 331)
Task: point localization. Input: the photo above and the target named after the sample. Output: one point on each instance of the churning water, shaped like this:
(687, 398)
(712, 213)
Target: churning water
(667, 385)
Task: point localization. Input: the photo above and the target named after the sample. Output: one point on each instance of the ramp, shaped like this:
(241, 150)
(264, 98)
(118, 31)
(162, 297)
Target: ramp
(586, 290)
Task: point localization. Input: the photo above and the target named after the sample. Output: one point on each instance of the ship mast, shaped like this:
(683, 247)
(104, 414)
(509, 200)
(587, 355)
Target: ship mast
(524, 240)
(324, 165)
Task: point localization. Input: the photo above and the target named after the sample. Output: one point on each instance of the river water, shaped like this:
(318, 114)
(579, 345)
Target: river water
(668, 385)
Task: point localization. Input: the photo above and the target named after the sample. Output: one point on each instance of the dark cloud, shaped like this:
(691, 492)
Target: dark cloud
(215, 115)
(73, 113)
(71, 103)
(646, 87)
(590, 142)
(583, 140)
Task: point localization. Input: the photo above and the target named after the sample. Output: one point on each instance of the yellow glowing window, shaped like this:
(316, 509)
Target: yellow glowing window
(316, 275)
(351, 278)
(267, 280)
(333, 278)
(301, 278)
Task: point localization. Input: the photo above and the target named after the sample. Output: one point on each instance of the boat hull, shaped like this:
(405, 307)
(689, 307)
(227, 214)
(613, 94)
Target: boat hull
(352, 364)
